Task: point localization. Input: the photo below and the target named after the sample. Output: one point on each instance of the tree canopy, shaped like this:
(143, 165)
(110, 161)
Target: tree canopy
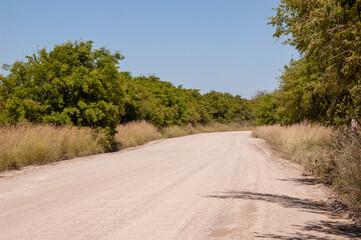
(324, 85)
(72, 84)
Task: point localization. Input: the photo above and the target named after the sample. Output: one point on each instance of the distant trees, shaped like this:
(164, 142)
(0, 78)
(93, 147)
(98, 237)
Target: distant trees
(225, 108)
(163, 104)
(264, 106)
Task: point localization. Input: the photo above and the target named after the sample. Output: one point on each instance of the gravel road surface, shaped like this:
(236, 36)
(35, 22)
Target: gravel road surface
(204, 186)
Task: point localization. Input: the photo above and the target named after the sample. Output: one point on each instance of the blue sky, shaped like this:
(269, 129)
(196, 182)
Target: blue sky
(222, 45)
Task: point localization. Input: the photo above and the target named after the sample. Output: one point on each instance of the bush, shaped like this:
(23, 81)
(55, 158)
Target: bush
(72, 84)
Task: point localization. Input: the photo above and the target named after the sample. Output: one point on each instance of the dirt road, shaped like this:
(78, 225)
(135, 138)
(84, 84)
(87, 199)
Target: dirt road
(205, 186)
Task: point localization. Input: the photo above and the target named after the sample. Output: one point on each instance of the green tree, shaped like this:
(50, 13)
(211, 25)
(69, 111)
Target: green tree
(72, 84)
(327, 33)
(265, 106)
(225, 108)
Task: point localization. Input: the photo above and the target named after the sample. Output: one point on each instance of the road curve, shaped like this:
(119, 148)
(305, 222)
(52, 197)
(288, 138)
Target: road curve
(204, 186)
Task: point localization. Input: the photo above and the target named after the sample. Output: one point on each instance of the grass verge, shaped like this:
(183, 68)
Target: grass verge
(39, 144)
(30, 144)
(332, 155)
(177, 131)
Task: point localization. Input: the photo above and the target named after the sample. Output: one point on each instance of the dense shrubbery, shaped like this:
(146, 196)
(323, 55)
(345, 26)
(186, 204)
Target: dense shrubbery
(70, 85)
(163, 104)
(74, 84)
(324, 85)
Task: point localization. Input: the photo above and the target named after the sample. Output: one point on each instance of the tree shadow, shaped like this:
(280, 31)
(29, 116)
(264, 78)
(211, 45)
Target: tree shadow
(305, 181)
(331, 228)
(307, 231)
(334, 204)
(284, 200)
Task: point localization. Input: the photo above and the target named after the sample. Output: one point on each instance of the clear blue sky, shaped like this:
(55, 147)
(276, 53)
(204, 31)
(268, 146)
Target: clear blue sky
(222, 45)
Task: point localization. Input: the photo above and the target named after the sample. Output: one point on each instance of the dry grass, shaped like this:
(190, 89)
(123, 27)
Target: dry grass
(332, 155)
(177, 131)
(296, 141)
(346, 157)
(135, 133)
(224, 127)
(38, 144)
(27, 144)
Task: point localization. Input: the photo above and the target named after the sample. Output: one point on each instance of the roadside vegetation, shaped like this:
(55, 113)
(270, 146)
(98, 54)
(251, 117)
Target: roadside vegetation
(27, 144)
(72, 101)
(177, 131)
(136, 133)
(322, 88)
(324, 84)
(331, 154)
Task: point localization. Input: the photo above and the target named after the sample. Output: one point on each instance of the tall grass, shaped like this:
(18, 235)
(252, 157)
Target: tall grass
(29, 144)
(346, 156)
(177, 131)
(296, 141)
(135, 133)
(38, 144)
(332, 155)
(224, 127)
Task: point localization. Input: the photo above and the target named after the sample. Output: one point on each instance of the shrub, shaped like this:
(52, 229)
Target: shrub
(72, 84)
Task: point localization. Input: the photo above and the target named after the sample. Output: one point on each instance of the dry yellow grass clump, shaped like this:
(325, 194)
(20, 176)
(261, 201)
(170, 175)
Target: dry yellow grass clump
(223, 127)
(177, 131)
(297, 140)
(38, 144)
(135, 133)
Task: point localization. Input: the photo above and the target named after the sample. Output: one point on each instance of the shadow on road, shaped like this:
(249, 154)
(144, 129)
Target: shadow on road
(284, 200)
(305, 181)
(349, 231)
(333, 228)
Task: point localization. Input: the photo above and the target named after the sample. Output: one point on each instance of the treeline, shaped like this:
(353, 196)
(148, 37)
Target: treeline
(163, 104)
(75, 84)
(324, 85)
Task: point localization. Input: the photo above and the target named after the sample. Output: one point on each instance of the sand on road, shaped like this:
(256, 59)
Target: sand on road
(204, 186)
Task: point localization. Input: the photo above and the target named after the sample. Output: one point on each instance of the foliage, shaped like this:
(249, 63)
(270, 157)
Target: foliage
(225, 108)
(304, 95)
(265, 108)
(163, 104)
(72, 84)
(158, 102)
(325, 84)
